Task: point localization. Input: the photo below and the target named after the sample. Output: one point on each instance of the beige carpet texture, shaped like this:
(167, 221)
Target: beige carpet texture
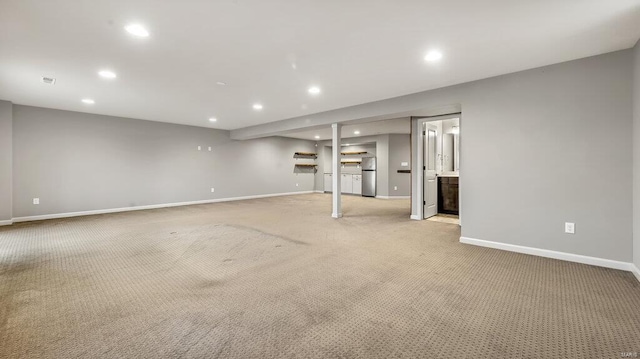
(279, 278)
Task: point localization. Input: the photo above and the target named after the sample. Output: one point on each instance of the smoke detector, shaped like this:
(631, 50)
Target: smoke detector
(48, 80)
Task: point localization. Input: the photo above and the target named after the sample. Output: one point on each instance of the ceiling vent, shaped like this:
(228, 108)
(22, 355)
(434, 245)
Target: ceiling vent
(48, 80)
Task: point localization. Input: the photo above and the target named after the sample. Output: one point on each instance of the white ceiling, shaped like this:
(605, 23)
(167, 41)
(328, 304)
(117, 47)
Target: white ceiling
(272, 51)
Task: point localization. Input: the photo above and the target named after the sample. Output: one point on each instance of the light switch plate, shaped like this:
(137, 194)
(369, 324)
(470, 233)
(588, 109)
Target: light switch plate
(570, 228)
(209, 148)
(36, 201)
(404, 164)
(199, 148)
(213, 189)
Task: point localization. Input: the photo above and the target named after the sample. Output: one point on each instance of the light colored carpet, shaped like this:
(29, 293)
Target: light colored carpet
(278, 277)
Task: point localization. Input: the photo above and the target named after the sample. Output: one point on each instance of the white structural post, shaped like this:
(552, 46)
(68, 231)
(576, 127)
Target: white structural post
(335, 166)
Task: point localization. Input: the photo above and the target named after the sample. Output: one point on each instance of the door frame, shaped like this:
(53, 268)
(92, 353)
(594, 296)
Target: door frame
(417, 149)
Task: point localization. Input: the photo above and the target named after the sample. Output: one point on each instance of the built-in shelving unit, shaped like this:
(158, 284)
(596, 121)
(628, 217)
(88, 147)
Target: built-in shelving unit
(305, 167)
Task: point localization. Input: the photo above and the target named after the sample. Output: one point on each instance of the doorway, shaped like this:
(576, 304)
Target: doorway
(436, 143)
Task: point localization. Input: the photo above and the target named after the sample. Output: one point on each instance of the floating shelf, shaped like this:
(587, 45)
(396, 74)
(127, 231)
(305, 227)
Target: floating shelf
(351, 162)
(305, 168)
(354, 153)
(305, 155)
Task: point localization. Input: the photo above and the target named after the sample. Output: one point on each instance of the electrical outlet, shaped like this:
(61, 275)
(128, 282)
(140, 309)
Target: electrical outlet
(213, 189)
(199, 148)
(395, 188)
(570, 228)
(296, 185)
(36, 201)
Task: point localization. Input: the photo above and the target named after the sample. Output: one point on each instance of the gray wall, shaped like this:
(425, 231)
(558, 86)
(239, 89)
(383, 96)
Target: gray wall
(538, 148)
(636, 155)
(535, 154)
(77, 162)
(5, 160)
(399, 151)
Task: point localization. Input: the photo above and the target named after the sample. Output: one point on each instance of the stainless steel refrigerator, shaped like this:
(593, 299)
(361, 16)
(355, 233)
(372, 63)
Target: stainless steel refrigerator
(368, 176)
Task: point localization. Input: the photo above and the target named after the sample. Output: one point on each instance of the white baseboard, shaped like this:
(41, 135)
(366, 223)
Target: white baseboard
(636, 272)
(318, 191)
(594, 261)
(6, 223)
(416, 217)
(393, 197)
(152, 206)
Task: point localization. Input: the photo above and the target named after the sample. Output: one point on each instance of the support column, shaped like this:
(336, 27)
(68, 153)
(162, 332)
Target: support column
(6, 162)
(335, 167)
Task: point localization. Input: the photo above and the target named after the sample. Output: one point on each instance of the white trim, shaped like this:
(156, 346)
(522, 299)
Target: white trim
(635, 271)
(414, 217)
(152, 206)
(570, 257)
(316, 191)
(393, 197)
(6, 222)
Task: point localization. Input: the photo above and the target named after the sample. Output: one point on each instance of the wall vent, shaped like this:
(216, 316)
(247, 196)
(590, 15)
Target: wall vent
(48, 80)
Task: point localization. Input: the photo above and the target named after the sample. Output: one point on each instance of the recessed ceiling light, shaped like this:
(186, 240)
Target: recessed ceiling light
(317, 137)
(314, 90)
(346, 144)
(356, 132)
(433, 56)
(221, 83)
(213, 119)
(107, 74)
(257, 106)
(88, 101)
(137, 30)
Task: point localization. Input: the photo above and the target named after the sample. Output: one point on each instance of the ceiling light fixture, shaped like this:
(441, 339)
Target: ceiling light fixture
(257, 107)
(314, 90)
(213, 119)
(88, 101)
(137, 30)
(356, 132)
(317, 137)
(433, 56)
(107, 74)
(221, 83)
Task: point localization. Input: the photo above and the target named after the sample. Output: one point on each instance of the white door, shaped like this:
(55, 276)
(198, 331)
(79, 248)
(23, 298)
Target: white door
(327, 182)
(430, 180)
(346, 183)
(357, 184)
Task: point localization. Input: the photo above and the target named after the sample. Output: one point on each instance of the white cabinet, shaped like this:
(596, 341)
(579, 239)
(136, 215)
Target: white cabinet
(327, 182)
(349, 183)
(357, 184)
(346, 181)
